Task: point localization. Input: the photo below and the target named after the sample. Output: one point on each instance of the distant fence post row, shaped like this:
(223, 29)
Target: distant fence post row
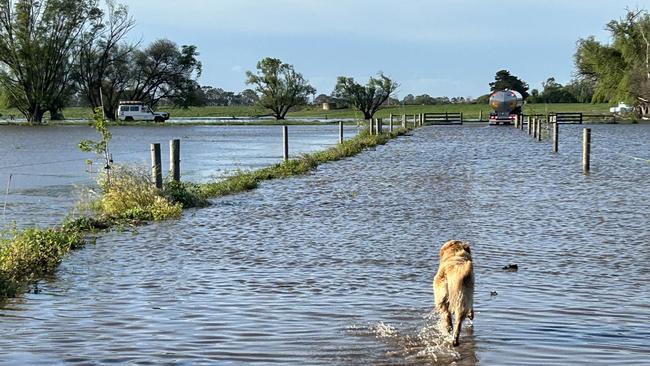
(175, 151)
(552, 122)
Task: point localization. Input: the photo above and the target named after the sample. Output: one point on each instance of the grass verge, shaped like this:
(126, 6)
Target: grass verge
(130, 199)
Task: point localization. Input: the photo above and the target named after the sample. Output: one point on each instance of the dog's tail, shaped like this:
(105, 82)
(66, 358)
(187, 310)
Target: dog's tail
(461, 296)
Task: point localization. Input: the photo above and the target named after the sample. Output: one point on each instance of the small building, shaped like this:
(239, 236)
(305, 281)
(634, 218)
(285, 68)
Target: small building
(329, 106)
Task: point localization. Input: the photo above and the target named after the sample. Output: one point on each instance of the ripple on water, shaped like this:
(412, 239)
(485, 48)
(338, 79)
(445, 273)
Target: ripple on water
(335, 267)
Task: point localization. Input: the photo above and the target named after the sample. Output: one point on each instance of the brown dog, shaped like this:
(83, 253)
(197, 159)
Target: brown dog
(453, 286)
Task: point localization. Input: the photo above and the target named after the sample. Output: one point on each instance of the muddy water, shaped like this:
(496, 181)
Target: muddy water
(336, 267)
(48, 170)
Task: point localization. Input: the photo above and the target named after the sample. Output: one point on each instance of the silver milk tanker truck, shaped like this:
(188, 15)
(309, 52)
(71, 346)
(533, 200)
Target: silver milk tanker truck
(506, 105)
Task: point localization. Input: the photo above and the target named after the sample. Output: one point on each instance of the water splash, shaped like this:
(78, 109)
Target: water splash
(426, 342)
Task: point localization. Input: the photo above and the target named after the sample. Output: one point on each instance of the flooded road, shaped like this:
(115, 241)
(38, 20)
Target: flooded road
(336, 267)
(48, 170)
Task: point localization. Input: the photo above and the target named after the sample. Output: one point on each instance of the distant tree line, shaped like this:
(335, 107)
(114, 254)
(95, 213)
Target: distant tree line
(578, 90)
(207, 95)
(58, 53)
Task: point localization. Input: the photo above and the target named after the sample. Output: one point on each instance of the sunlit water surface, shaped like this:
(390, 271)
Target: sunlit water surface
(336, 267)
(43, 174)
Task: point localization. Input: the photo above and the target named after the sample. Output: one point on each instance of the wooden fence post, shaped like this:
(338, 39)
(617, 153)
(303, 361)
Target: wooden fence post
(530, 123)
(371, 125)
(175, 159)
(461, 118)
(156, 168)
(403, 120)
(340, 132)
(390, 124)
(285, 142)
(480, 115)
(555, 136)
(539, 130)
(586, 150)
(534, 128)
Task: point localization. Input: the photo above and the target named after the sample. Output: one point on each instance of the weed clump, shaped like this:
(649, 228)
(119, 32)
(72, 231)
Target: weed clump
(31, 253)
(131, 196)
(186, 193)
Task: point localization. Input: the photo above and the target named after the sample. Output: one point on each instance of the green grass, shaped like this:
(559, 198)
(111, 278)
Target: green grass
(470, 111)
(32, 253)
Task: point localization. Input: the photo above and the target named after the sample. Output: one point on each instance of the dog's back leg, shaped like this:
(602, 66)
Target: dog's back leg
(458, 321)
(441, 295)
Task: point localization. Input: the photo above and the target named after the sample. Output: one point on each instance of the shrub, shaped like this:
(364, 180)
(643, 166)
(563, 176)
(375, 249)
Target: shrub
(132, 196)
(33, 252)
(185, 193)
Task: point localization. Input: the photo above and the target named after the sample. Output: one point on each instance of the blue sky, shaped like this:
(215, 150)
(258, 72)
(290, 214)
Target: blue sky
(438, 47)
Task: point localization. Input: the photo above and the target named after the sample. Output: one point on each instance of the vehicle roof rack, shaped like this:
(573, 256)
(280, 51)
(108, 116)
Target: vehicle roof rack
(130, 102)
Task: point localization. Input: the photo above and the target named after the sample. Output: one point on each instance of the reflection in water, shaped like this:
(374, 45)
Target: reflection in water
(335, 267)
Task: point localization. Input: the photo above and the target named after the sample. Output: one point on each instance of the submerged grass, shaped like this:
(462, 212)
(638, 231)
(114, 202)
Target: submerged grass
(32, 253)
(130, 199)
(245, 181)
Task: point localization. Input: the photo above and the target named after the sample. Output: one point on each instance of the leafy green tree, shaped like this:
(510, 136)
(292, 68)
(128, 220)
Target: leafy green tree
(582, 88)
(555, 92)
(621, 70)
(161, 71)
(367, 98)
(606, 65)
(38, 40)
(249, 97)
(101, 52)
(279, 86)
(425, 99)
(409, 99)
(504, 80)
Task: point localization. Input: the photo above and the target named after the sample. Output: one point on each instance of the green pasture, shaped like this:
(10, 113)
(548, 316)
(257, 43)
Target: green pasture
(470, 111)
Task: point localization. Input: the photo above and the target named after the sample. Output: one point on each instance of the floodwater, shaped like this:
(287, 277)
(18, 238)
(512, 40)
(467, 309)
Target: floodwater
(48, 171)
(335, 268)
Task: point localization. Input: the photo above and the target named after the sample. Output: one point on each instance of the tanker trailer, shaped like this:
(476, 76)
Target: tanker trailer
(507, 105)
